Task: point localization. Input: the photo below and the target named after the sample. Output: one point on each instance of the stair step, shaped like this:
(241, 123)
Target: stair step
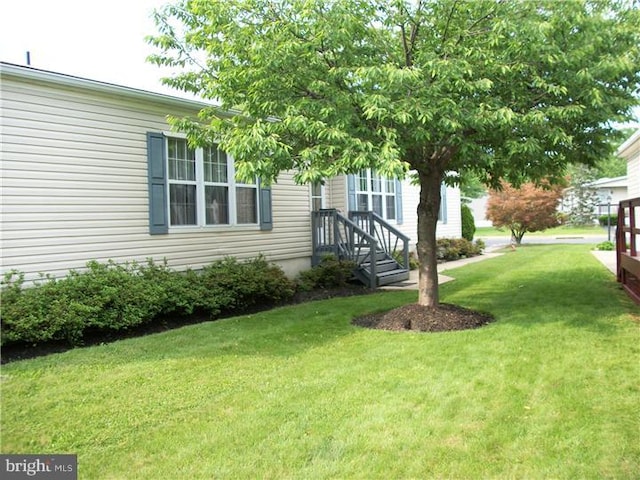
(381, 266)
(393, 276)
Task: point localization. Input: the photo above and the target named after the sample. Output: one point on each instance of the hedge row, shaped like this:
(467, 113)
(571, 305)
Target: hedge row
(450, 249)
(111, 297)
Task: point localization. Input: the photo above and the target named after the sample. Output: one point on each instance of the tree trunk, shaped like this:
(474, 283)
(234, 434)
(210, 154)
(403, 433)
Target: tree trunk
(428, 209)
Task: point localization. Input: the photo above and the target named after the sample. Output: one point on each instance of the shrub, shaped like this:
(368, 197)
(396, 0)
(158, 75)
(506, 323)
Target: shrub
(607, 246)
(329, 273)
(231, 285)
(450, 249)
(468, 223)
(612, 218)
(111, 297)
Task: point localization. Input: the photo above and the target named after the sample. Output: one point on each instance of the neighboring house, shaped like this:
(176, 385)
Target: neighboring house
(630, 151)
(478, 208)
(91, 171)
(608, 191)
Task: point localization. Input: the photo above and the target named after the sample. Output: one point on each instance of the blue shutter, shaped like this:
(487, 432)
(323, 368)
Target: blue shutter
(157, 177)
(399, 202)
(266, 214)
(443, 203)
(351, 193)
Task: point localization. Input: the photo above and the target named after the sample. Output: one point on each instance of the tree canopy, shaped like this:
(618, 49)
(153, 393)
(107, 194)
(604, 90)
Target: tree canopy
(491, 88)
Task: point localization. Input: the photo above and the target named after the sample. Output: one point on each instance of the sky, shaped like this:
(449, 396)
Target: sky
(99, 40)
(95, 39)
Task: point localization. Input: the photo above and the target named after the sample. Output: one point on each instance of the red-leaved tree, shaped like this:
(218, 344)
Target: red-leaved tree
(525, 209)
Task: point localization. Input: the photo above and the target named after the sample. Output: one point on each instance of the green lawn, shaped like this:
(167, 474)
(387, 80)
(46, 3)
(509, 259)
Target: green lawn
(551, 232)
(549, 390)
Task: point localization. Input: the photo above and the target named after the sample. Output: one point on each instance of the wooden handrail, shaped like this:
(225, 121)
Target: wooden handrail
(388, 237)
(627, 260)
(336, 235)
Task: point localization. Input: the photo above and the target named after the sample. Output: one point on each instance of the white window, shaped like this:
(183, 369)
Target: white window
(376, 193)
(203, 190)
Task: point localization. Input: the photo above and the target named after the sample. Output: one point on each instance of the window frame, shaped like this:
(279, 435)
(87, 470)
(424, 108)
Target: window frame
(383, 192)
(201, 184)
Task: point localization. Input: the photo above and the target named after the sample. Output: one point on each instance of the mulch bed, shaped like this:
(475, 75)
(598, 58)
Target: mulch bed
(416, 317)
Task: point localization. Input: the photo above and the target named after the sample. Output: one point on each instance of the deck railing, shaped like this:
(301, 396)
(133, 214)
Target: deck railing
(389, 238)
(627, 233)
(336, 235)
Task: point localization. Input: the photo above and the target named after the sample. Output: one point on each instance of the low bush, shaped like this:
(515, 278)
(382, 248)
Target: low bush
(329, 273)
(231, 285)
(606, 220)
(606, 246)
(450, 249)
(111, 297)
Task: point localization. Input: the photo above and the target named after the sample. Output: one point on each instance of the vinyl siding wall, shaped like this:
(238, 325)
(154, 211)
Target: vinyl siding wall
(74, 187)
(631, 154)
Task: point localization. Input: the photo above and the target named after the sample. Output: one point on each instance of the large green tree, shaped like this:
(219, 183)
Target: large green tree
(498, 89)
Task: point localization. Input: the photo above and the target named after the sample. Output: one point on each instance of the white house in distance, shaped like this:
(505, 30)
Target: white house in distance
(609, 192)
(91, 171)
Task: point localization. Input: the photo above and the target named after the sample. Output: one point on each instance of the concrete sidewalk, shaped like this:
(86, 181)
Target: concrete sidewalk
(412, 283)
(608, 259)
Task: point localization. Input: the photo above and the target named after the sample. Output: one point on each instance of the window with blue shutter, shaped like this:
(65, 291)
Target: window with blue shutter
(198, 188)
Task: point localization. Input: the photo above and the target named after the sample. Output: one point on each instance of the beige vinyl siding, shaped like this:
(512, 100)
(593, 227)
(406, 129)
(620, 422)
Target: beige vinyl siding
(633, 174)
(74, 178)
(630, 151)
(338, 194)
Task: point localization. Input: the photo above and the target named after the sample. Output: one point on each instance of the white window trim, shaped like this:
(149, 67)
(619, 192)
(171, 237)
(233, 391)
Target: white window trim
(383, 193)
(200, 193)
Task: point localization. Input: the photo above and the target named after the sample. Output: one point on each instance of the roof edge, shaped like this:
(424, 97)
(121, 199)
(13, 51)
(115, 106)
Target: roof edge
(37, 74)
(628, 143)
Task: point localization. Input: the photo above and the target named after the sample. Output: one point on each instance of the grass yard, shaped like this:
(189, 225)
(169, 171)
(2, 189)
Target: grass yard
(561, 231)
(549, 390)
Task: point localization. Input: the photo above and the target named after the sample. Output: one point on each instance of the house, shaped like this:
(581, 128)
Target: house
(630, 151)
(628, 231)
(478, 208)
(91, 171)
(607, 192)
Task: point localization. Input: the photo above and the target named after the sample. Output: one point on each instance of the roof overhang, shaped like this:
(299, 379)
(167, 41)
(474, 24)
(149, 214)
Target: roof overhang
(35, 74)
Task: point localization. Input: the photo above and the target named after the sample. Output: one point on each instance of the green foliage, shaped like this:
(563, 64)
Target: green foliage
(606, 220)
(614, 166)
(112, 297)
(468, 223)
(606, 246)
(497, 90)
(330, 273)
(234, 285)
(471, 186)
(450, 249)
